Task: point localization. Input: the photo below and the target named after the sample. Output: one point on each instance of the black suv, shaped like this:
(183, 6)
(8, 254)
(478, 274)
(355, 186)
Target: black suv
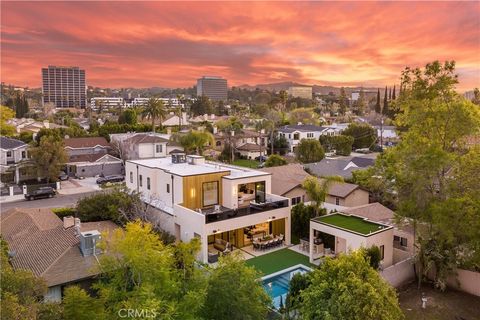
(42, 192)
(113, 178)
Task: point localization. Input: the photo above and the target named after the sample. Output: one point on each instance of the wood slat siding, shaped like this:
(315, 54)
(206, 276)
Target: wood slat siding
(196, 182)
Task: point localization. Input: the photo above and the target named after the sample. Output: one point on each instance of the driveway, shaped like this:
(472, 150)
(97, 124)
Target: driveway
(74, 186)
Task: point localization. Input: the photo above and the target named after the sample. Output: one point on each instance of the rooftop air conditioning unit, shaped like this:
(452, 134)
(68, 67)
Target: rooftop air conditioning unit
(88, 242)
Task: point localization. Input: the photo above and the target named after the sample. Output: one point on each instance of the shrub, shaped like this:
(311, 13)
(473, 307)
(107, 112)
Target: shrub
(309, 151)
(341, 144)
(64, 212)
(275, 160)
(374, 257)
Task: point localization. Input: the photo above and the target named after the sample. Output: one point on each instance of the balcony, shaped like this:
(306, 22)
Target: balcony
(220, 213)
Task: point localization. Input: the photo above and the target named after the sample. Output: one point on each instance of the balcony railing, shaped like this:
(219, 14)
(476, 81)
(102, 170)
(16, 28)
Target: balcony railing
(223, 213)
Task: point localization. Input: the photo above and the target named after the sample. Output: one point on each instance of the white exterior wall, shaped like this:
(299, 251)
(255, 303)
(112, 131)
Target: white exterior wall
(16, 155)
(385, 239)
(304, 135)
(149, 150)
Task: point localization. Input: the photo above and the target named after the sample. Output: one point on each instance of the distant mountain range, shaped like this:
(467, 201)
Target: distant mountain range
(315, 88)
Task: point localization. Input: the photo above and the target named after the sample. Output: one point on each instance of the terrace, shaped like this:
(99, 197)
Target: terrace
(351, 223)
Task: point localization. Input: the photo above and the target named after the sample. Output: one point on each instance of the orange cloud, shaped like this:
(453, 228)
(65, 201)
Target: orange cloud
(171, 44)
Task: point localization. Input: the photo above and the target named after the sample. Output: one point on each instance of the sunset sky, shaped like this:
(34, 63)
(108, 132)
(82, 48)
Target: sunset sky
(143, 44)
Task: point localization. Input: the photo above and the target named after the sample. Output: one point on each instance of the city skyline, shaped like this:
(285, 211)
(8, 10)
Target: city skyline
(173, 44)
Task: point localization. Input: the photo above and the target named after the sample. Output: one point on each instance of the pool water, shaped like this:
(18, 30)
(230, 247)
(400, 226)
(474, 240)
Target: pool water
(277, 284)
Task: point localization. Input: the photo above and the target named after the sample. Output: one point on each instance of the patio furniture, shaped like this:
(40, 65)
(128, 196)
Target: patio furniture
(221, 244)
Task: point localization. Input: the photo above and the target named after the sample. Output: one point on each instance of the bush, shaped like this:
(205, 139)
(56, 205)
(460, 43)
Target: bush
(309, 151)
(342, 144)
(374, 256)
(363, 134)
(64, 212)
(275, 160)
(118, 205)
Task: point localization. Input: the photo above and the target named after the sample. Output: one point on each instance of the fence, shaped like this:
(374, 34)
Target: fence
(399, 273)
(465, 280)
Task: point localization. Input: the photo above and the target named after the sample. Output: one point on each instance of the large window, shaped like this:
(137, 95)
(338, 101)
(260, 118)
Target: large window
(159, 148)
(210, 193)
(382, 252)
(260, 192)
(296, 136)
(131, 177)
(148, 183)
(141, 180)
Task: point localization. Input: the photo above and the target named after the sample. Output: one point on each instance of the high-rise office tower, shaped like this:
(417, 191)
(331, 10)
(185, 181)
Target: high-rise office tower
(214, 88)
(64, 87)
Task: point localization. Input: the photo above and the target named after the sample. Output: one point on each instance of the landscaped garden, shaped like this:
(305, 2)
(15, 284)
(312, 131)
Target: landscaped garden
(278, 260)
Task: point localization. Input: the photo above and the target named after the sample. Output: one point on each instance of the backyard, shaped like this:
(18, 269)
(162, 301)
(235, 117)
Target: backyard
(440, 305)
(246, 163)
(278, 260)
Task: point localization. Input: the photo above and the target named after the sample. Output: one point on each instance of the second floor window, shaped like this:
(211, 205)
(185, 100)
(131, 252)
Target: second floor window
(131, 177)
(24, 154)
(9, 153)
(140, 178)
(168, 188)
(158, 148)
(210, 193)
(296, 136)
(148, 183)
(296, 200)
(337, 201)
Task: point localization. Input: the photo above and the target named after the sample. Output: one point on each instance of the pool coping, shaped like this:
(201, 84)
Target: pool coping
(286, 270)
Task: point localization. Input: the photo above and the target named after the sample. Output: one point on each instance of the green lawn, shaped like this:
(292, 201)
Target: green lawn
(350, 223)
(246, 163)
(278, 260)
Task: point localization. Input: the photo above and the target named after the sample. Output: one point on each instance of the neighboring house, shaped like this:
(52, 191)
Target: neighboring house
(60, 252)
(342, 167)
(133, 146)
(212, 118)
(224, 206)
(346, 195)
(174, 120)
(339, 233)
(287, 181)
(89, 157)
(388, 134)
(31, 125)
(248, 143)
(295, 133)
(403, 235)
(13, 154)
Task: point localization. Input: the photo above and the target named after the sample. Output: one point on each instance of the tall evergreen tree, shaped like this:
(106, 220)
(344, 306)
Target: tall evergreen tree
(389, 94)
(393, 93)
(343, 101)
(385, 102)
(378, 106)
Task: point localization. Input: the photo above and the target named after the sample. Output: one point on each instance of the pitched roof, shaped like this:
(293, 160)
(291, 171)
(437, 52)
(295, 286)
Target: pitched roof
(302, 127)
(285, 178)
(41, 244)
(92, 157)
(89, 142)
(9, 143)
(372, 211)
(342, 190)
(145, 138)
(251, 147)
(342, 167)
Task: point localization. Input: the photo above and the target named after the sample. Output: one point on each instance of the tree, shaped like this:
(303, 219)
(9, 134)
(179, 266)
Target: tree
(301, 216)
(342, 144)
(275, 160)
(21, 291)
(195, 141)
(424, 168)
(6, 114)
(140, 272)
(364, 136)
(233, 292)
(304, 116)
(476, 96)
(361, 103)
(309, 150)
(348, 288)
(49, 157)
(154, 109)
(283, 99)
(128, 116)
(78, 305)
(378, 107)
(385, 109)
(393, 93)
(317, 189)
(298, 283)
(373, 256)
(343, 101)
(269, 126)
(201, 106)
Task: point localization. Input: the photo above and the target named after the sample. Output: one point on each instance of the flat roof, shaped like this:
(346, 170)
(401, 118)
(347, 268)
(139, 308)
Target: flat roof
(351, 223)
(186, 169)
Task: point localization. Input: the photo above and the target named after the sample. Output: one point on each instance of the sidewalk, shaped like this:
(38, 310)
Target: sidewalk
(16, 197)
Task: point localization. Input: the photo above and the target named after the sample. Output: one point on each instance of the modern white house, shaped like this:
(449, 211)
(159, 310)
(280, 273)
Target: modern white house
(295, 133)
(226, 207)
(339, 233)
(107, 102)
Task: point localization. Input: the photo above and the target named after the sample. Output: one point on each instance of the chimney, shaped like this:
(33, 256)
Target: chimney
(215, 129)
(68, 222)
(77, 226)
(262, 131)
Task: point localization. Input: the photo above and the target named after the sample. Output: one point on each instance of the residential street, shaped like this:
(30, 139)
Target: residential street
(57, 202)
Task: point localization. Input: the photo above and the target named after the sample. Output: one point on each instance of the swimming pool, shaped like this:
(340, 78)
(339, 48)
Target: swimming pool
(277, 284)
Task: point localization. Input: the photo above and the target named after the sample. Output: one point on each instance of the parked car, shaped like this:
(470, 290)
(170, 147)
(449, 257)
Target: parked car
(62, 176)
(112, 178)
(42, 192)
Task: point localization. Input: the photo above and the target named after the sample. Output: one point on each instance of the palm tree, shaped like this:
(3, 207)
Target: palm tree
(194, 141)
(317, 189)
(154, 109)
